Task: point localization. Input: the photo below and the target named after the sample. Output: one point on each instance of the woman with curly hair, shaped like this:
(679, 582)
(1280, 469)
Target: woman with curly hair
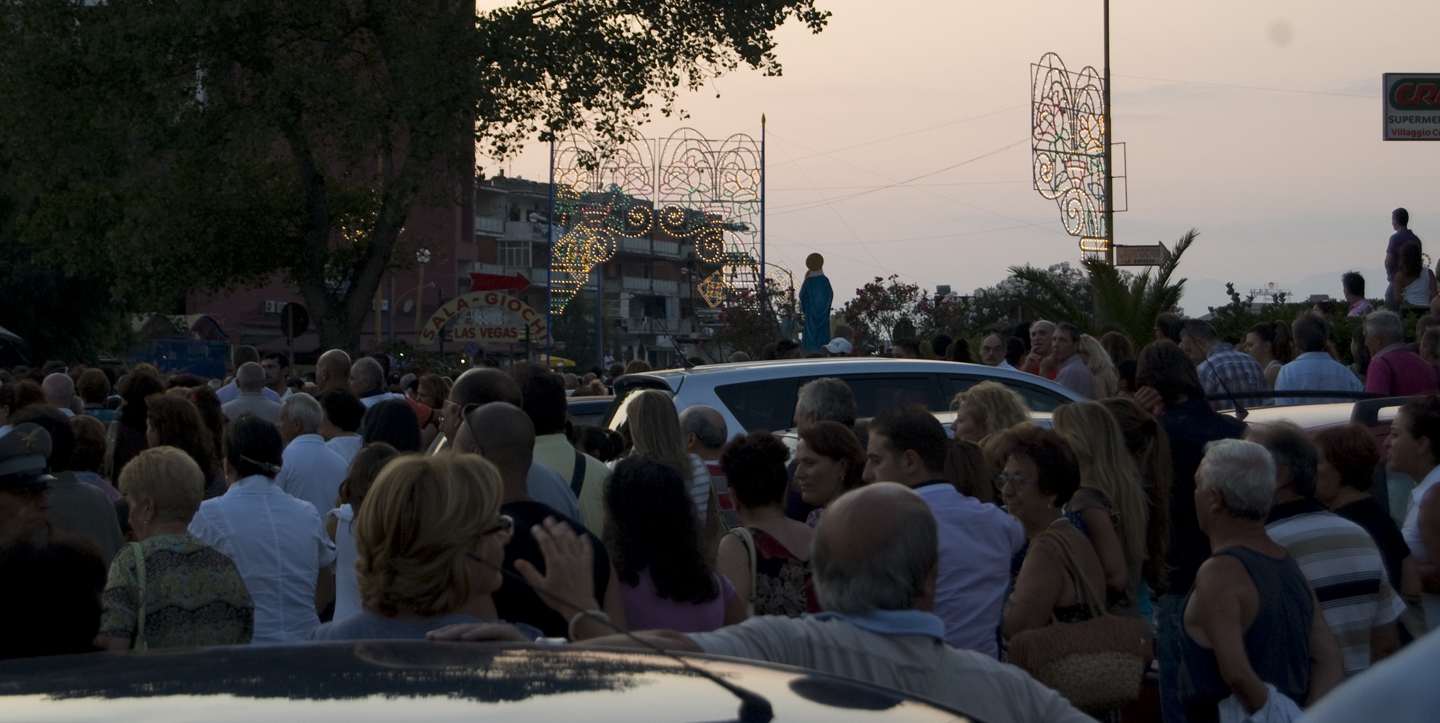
(767, 557)
(173, 421)
(984, 409)
(653, 539)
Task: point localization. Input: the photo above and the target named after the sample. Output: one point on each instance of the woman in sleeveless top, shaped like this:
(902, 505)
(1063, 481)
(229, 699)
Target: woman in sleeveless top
(364, 468)
(1040, 476)
(1250, 619)
(767, 557)
(1414, 284)
(1269, 345)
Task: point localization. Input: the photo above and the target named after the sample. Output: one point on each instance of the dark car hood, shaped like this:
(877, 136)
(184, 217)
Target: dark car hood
(403, 680)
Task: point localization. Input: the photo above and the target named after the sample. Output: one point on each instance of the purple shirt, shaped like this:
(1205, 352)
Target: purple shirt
(646, 610)
(1360, 308)
(1392, 251)
(1399, 372)
(1075, 376)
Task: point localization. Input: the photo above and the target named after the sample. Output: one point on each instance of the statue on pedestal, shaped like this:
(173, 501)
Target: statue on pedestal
(815, 299)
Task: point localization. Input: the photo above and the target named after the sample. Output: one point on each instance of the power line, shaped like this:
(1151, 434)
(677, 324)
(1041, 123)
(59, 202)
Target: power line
(1247, 87)
(907, 133)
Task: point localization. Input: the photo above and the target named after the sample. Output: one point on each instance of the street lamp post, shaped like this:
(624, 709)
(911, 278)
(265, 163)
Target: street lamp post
(1109, 171)
(422, 256)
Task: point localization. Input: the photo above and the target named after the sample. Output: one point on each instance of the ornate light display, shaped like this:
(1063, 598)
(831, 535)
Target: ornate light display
(1068, 128)
(684, 188)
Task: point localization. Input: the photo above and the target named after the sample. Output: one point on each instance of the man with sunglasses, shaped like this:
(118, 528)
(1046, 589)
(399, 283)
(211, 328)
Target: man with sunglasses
(478, 387)
(503, 434)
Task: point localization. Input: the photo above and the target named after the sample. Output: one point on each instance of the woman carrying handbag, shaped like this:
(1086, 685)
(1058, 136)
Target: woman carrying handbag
(1055, 620)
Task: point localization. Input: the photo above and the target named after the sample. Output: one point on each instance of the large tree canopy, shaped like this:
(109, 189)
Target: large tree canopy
(205, 145)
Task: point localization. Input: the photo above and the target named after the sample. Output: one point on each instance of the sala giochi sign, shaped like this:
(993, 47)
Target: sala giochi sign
(530, 320)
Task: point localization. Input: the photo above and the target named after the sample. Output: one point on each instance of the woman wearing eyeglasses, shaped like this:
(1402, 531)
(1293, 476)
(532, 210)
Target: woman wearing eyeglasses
(1040, 476)
(430, 541)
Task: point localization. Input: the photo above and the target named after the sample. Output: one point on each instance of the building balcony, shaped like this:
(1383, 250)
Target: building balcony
(490, 225)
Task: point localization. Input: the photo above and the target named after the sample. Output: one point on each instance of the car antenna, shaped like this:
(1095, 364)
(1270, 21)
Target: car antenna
(754, 708)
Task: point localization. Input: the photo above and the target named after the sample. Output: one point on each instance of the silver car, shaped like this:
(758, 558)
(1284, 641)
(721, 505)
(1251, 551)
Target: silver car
(761, 395)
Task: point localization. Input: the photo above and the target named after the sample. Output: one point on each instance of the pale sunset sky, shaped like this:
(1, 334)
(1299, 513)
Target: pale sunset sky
(1257, 122)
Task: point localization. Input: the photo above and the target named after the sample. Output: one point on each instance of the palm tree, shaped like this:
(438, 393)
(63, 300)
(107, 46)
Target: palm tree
(1121, 302)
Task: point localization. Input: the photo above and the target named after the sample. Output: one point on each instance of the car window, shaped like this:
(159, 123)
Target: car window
(770, 403)
(765, 404)
(875, 394)
(1037, 398)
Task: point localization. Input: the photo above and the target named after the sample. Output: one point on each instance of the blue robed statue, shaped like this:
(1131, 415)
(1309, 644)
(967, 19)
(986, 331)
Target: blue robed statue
(815, 299)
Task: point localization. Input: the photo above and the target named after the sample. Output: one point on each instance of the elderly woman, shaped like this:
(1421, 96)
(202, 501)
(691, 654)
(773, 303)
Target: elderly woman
(766, 558)
(430, 541)
(654, 541)
(984, 409)
(1348, 457)
(828, 463)
(278, 542)
(171, 589)
(1110, 501)
(1040, 476)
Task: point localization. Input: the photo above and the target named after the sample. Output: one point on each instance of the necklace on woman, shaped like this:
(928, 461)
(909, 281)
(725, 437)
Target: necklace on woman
(1061, 518)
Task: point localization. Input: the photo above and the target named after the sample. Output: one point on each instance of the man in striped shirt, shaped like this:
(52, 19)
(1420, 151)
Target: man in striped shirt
(1338, 557)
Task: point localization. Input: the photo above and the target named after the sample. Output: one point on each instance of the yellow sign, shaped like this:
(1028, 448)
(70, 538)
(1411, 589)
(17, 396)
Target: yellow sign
(489, 332)
(529, 317)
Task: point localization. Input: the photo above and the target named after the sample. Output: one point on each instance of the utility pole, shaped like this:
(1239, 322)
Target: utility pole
(1109, 171)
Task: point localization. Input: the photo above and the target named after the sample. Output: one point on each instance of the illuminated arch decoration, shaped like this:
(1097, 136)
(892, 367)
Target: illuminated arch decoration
(1068, 128)
(486, 308)
(685, 187)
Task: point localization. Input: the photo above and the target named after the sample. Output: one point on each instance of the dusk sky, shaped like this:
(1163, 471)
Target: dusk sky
(1258, 123)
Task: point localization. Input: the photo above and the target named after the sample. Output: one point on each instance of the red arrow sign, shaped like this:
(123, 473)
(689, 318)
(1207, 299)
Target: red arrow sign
(498, 282)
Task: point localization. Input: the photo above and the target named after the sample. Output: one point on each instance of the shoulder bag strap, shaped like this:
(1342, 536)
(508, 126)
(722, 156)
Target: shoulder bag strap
(577, 477)
(1083, 591)
(138, 553)
(748, 540)
(112, 434)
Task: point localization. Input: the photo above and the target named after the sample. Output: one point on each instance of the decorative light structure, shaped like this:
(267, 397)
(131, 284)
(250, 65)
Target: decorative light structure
(707, 192)
(1070, 150)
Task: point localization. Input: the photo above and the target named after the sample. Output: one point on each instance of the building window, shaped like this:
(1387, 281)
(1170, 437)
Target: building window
(513, 253)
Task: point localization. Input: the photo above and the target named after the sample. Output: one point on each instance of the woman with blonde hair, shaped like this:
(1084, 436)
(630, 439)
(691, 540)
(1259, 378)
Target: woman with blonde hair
(655, 433)
(430, 541)
(171, 589)
(1149, 446)
(1110, 501)
(984, 409)
(1098, 361)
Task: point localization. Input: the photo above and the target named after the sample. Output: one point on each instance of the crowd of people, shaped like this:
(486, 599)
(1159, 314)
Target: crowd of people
(148, 511)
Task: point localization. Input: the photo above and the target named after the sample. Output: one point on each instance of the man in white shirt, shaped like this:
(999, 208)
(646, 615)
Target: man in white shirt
(367, 381)
(250, 380)
(59, 390)
(977, 541)
(332, 370)
(312, 472)
(240, 357)
(276, 541)
(875, 565)
(341, 418)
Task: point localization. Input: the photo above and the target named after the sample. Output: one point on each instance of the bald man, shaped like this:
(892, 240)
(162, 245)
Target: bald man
(367, 383)
(503, 434)
(332, 370)
(874, 559)
(484, 386)
(241, 356)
